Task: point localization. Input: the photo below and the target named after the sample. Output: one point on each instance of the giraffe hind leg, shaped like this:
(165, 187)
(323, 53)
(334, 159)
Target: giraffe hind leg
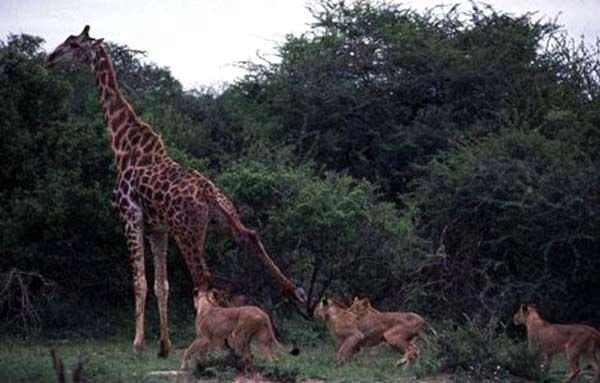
(191, 247)
(158, 240)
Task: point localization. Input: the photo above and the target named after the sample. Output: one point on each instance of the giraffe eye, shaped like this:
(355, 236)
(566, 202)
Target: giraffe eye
(73, 45)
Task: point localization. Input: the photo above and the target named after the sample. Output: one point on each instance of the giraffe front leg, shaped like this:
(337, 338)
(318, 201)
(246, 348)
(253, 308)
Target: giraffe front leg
(134, 230)
(158, 240)
(251, 240)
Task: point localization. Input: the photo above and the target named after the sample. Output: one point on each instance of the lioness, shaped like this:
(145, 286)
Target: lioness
(402, 327)
(236, 326)
(575, 340)
(354, 332)
(342, 324)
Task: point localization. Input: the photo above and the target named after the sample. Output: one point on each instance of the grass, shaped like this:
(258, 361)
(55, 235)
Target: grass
(112, 360)
(106, 360)
(319, 363)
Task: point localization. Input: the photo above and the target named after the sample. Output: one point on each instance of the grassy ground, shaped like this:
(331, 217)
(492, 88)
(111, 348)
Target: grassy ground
(107, 360)
(111, 360)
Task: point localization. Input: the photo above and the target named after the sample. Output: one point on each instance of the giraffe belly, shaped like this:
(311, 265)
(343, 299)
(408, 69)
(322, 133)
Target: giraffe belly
(173, 195)
(153, 218)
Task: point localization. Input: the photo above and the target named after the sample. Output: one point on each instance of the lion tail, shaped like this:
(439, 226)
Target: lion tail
(430, 327)
(294, 351)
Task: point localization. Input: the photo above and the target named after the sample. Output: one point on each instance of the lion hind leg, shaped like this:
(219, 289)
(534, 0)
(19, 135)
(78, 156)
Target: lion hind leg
(593, 359)
(245, 337)
(397, 338)
(266, 348)
(265, 341)
(413, 351)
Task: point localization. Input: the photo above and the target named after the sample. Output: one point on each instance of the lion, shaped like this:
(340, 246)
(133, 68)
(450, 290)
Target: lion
(342, 324)
(403, 327)
(226, 298)
(548, 339)
(355, 329)
(237, 327)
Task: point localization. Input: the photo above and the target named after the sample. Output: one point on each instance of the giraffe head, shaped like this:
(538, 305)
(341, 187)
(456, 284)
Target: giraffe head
(80, 48)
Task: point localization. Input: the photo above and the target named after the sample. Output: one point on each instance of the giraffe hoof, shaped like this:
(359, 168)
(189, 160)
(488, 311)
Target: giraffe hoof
(138, 348)
(300, 295)
(163, 348)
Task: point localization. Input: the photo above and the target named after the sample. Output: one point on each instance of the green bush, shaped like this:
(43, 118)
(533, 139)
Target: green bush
(478, 351)
(330, 231)
(511, 219)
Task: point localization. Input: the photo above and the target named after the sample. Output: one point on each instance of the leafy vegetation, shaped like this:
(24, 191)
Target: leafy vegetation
(443, 161)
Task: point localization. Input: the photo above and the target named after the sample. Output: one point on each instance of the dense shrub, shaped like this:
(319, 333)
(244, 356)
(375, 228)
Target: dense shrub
(512, 217)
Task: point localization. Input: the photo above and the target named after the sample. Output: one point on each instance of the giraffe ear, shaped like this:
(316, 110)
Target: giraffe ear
(85, 31)
(98, 41)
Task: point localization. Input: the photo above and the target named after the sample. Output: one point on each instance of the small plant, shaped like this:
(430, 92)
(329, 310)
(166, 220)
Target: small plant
(224, 369)
(301, 333)
(477, 351)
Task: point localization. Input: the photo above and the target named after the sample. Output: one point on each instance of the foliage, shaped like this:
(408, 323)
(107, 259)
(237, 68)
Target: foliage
(476, 351)
(330, 230)
(515, 212)
(378, 88)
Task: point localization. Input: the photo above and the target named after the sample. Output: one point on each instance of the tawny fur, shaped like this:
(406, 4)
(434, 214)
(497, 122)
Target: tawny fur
(548, 339)
(355, 328)
(403, 327)
(239, 327)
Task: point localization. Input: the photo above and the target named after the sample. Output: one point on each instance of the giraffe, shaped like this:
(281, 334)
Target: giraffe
(158, 198)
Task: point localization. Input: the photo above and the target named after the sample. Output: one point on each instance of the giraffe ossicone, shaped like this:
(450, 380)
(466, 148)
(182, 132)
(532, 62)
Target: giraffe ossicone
(158, 198)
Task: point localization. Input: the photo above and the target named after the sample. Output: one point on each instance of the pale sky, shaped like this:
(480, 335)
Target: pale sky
(202, 40)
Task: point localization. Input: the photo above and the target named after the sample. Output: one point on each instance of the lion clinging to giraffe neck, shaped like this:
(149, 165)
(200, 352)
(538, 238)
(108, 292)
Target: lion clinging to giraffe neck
(156, 197)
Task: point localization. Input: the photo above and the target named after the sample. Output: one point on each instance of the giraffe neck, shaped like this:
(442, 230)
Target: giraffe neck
(133, 142)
